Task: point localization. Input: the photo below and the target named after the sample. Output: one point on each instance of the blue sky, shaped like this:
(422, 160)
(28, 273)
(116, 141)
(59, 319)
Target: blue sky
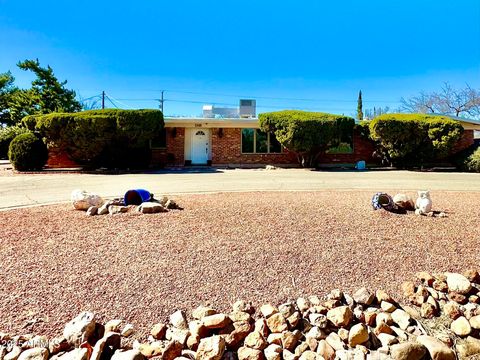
(278, 51)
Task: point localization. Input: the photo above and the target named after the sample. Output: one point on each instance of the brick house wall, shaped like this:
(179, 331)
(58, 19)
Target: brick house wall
(466, 141)
(175, 146)
(58, 159)
(227, 149)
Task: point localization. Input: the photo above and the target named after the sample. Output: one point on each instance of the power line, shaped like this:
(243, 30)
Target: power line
(108, 98)
(266, 106)
(125, 105)
(256, 97)
(274, 98)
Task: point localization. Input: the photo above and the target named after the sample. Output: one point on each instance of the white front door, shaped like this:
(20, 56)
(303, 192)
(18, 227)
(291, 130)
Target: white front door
(200, 145)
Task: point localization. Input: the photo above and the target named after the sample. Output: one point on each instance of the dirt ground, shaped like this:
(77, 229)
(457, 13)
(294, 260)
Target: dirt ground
(261, 247)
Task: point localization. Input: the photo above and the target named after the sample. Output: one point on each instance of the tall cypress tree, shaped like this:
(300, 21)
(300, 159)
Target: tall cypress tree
(360, 106)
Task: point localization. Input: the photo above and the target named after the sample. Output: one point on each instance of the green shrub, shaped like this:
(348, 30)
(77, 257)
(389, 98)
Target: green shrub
(473, 161)
(308, 134)
(27, 152)
(6, 136)
(109, 138)
(413, 139)
(363, 129)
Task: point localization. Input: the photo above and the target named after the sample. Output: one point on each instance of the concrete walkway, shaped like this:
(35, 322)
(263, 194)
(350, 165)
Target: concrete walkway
(17, 190)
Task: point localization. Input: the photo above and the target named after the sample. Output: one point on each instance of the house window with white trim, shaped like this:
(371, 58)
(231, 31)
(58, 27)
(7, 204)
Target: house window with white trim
(255, 141)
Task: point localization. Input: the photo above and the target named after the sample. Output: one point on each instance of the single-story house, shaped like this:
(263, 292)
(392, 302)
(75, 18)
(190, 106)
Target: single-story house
(240, 142)
(235, 142)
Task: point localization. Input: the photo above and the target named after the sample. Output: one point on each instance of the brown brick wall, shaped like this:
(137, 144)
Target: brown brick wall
(466, 141)
(58, 159)
(227, 149)
(175, 146)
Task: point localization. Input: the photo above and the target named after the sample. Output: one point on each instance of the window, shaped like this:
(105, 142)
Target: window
(261, 142)
(255, 141)
(159, 141)
(248, 138)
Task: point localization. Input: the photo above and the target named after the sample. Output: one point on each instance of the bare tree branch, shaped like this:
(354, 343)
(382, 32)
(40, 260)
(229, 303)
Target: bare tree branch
(448, 101)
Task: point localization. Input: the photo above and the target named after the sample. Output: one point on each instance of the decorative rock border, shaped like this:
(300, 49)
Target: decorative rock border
(93, 204)
(443, 323)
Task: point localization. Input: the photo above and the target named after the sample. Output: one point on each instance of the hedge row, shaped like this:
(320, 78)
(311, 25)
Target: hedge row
(414, 139)
(307, 134)
(109, 138)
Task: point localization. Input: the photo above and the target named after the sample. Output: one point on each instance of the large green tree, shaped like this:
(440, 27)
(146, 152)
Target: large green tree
(7, 91)
(50, 93)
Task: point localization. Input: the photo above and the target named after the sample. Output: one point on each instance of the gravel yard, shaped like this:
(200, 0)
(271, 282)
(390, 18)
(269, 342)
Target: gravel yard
(262, 247)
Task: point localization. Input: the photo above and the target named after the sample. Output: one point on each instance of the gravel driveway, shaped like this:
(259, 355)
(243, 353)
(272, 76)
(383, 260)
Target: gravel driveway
(263, 247)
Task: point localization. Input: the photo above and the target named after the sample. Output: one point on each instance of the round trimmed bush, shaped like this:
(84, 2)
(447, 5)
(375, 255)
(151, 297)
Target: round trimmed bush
(6, 136)
(473, 161)
(27, 152)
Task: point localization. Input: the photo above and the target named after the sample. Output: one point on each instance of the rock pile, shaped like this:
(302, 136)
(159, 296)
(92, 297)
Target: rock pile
(448, 305)
(364, 325)
(93, 204)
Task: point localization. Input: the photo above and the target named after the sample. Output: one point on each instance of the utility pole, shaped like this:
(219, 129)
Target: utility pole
(103, 100)
(161, 103)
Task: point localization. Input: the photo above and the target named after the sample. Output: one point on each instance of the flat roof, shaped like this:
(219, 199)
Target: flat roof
(211, 122)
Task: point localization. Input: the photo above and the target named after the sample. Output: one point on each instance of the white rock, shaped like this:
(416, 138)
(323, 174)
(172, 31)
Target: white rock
(92, 210)
(357, 335)
(128, 330)
(475, 322)
(387, 339)
(117, 209)
(273, 352)
(13, 354)
(75, 354)
(458, 283)
(103, 210)
(211, 348)
(34, 354)
(340, 316)
(461, 326)
(82, 199)
(363, 296)
(113, 325)
(401, 318)
(80, 328)
(179, 320)
(437, 349)
(151, 207)
(127, 355)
